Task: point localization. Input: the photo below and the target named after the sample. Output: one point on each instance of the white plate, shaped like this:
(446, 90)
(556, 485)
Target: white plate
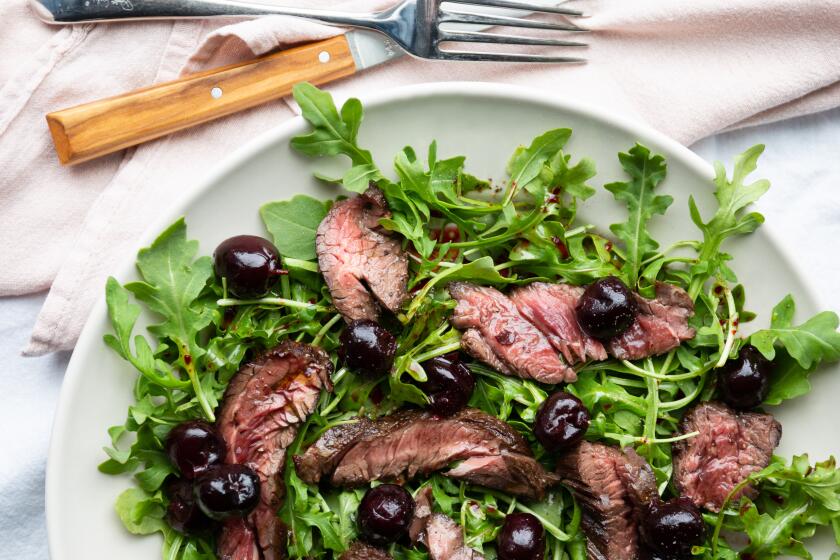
(485, 122)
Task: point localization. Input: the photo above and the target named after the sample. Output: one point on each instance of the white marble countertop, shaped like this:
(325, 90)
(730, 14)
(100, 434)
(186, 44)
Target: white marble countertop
(801, 160)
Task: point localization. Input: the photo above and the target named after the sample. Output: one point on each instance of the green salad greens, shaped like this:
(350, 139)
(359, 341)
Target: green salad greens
(512, 233)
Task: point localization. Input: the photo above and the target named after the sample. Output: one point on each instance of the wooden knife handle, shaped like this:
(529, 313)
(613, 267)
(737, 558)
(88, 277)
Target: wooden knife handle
(95, 129)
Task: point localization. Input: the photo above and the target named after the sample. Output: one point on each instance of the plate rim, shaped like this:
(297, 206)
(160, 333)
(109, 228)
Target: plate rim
(240, 156)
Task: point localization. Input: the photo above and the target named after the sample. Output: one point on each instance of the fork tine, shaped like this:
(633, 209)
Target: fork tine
(479, 37)
(447, 16)
(521, 6)
(499, 57)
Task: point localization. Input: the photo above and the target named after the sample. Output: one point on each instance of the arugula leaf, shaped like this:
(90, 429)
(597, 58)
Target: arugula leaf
(359, 177)
(796, 350)
(773, 536)
(303, 509)
(572, 179)
(140, 513)
(497, 394)
(527, 164)
(413, 177)
(123, 315)
(144, 514)
(810, 343)
(293, 223)
(446, 180)
(482, 271)
(606, 395)
(794, 500)
(646, 171)
(332, 133)
(348, 505)
(731, 217)
(179, 547)
(788, 380)
(548, 251)
(172, 281)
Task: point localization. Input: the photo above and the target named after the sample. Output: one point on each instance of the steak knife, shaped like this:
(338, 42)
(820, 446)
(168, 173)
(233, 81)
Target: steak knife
(102, 127)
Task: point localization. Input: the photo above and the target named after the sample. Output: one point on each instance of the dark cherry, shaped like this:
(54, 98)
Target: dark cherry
(250, 264)
(194, 447)
(384, 514)
(671, 528)
(521, 537)
(745, 381)
(449, 384)
(606, 309)
(228, 491)
(561, 421)
(183, 513)
(367, 347)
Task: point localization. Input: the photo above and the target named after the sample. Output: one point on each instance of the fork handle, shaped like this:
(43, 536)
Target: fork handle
(64, 12)
(102, 127)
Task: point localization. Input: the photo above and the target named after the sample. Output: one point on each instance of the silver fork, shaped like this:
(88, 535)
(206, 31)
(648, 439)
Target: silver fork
(420, 27)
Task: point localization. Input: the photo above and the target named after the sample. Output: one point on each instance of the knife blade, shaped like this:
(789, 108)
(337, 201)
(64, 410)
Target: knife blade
(369, 48)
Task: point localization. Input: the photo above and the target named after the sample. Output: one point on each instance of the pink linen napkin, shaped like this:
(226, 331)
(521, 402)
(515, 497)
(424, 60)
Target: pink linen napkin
(687, 68)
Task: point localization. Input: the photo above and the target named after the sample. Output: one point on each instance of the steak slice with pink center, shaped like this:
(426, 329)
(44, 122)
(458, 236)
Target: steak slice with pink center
(518, 344)
(551, 308)
(660, 326)
(264, 405)
(729, 447)
(612, 487)
(413, 443)
(362, 263)
(443, 538)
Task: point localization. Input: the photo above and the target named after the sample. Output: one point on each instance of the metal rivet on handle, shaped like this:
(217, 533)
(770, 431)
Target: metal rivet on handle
(324, 56)
(216, 92)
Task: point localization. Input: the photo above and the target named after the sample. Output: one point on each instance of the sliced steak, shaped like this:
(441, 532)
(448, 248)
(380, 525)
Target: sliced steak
(551, 308)
(729, 447)
(519, 345)
(475, 346)
(611, 487)
(445, 540)
(411, 442)
(660, 326)
(265, 402)
(514, 472)
(521, 334)
(323, 456)
(640, 482)
(363, 551)
(359, 260)
(442, 536)
(422, 512)
(638, 478)
(238, 541)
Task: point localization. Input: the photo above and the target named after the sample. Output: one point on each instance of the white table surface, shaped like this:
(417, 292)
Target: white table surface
(802, 160)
